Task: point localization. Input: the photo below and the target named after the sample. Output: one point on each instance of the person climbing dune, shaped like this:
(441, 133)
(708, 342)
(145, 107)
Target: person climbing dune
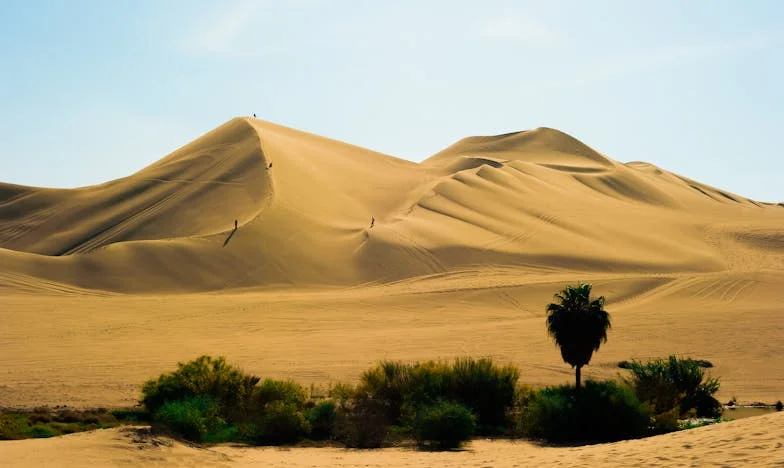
(235, 224)
(372, 222)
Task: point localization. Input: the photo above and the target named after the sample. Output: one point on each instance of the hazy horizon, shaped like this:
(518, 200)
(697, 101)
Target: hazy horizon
(95, 91)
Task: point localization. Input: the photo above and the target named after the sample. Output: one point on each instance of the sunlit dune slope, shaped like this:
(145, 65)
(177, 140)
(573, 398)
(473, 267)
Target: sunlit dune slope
(535, 200)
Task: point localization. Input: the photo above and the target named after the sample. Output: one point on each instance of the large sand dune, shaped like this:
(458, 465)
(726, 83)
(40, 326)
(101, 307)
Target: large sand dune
(536, 200)
(104, 286)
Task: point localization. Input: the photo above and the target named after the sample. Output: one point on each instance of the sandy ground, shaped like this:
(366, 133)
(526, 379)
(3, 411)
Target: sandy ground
(96, 351)
(749, 442)
(343, 256)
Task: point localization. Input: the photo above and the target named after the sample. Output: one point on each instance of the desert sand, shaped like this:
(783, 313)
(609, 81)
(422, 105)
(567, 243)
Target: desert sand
(748, 442)
(105, 286)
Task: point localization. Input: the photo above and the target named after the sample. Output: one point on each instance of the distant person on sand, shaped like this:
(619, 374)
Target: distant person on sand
(254, 116)
(372, 222)
(235, 224)
(270, 165)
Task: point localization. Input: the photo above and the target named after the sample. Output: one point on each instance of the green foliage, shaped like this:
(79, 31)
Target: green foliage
(485, 388)
(389, 383)
(13, 426)
(445, 425)
(40, 431)
(488, 390)
(600, 412)
(130, 415)
(578, 324)
(675, 383)
(360, 420)
(193, 418)
(285, 391)
(322, 419)
(282, 422)
(47, 422)
(204, 376)
(207, 400)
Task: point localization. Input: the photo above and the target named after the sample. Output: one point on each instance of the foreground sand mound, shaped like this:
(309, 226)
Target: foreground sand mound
(530, 200)
(753, 441)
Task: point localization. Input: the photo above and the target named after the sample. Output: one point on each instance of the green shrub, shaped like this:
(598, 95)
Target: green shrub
(281, 423)
(601, 412)
(674, 382)
(524, 395)
(39, 431)
(130, 415)
(322, 419)
(285, 391)
(191, 418)
(226, 433)
(445, 425)
(485, 388)
(360, 421)
(389, 384)
(204, 376)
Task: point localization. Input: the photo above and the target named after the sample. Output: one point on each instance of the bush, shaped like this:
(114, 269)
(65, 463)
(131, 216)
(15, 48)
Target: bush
(779, 406)
(322, 419)
(41, 432)
(389, 383)
(446, 425)
(485, 388)
(673, 382)
(204, 376)
(601, 412)
(281, 423)
(285, 391)
(360, 421)
(192, 418)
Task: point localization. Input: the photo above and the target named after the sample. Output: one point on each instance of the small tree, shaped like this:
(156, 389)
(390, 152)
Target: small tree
(578, 324)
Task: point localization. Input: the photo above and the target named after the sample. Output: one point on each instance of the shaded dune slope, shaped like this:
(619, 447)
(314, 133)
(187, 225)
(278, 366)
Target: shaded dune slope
(530, 200)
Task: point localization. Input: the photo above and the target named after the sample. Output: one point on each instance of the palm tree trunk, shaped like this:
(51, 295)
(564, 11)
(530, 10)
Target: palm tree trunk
(577, 378)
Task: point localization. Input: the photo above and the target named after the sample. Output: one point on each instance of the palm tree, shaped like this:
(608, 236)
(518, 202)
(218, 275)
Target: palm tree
(578, 324)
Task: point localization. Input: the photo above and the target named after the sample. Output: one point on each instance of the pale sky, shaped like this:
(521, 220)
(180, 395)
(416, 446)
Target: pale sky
(96, 90)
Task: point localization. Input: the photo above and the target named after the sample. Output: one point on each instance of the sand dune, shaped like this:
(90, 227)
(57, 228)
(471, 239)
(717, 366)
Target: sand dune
(105, 286)
(748, 442)
(536, 199)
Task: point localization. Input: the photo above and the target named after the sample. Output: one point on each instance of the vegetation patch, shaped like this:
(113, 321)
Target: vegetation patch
(599, 412)
(675, 388)
(49, 422)
(444, 425)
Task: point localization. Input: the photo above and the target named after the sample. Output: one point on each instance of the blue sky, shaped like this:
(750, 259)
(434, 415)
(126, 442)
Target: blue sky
(95, 90)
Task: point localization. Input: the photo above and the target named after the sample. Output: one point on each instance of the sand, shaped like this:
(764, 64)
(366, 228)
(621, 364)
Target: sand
(105, 286)
(748, 442)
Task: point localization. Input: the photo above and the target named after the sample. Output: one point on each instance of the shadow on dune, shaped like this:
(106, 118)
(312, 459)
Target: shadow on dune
(231, 234)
